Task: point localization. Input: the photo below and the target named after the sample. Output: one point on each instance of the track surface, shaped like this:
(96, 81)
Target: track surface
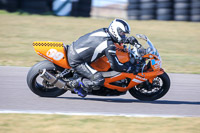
(183, 99)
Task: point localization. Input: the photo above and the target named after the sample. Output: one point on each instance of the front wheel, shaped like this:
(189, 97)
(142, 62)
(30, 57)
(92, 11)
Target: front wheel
(150, 92)
(39, 86)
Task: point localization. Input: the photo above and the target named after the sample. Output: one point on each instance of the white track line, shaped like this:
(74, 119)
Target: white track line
(84, 114)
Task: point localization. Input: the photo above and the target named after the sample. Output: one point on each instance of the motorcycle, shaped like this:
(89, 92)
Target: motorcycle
(48, 78)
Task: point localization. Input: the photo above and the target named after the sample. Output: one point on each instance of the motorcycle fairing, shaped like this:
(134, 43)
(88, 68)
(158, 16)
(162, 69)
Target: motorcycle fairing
(135, 79)
(52, 51)
(122, 55)
(102, 64)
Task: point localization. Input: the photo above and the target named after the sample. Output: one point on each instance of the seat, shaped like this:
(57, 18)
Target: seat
(66, 47)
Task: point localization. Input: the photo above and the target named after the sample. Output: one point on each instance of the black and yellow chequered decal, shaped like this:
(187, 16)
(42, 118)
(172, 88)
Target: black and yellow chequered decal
(48, 44)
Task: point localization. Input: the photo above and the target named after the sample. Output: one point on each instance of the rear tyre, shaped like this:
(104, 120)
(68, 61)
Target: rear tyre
(157, 89)
(36, 84)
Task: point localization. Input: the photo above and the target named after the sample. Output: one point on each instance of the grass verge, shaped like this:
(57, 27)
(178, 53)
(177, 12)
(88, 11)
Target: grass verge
(23, 123)
(177, 42)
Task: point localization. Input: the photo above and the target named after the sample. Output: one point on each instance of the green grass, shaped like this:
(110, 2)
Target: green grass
(23, 123)
(177, 42)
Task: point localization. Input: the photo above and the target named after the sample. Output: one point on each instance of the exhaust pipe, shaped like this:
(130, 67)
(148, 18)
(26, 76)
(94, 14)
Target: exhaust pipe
(52, 79)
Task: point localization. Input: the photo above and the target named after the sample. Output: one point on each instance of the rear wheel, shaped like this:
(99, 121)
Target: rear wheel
(39, 86)
(150, 92)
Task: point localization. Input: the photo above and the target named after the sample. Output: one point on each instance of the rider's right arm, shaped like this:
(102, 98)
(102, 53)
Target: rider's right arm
(115, 64)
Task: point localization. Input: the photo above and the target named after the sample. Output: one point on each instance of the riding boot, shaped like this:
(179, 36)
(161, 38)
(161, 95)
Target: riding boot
(78, 87)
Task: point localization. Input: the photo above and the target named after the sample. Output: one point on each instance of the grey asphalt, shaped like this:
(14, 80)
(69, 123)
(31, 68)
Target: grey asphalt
(183, 99)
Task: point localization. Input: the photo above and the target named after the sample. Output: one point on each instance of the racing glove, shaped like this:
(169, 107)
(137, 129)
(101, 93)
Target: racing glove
(132, 40)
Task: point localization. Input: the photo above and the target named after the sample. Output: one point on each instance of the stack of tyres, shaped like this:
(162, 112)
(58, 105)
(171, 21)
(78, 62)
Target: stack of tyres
(84, 8)
(195, 11)
(9, 5)
(81, 8)
(75, 7)
(164, 10)
(1, 4)
(133, 9)
(147, 9)
(36, 6)
(182, 10)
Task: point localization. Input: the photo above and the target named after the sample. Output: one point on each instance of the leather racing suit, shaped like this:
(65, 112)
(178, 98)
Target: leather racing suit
(87, 49)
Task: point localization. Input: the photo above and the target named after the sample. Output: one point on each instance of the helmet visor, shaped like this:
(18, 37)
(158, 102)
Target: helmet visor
(121, 33)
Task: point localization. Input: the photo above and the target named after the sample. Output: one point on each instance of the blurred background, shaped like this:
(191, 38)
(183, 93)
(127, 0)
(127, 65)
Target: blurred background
(172, 25)
(177, 10)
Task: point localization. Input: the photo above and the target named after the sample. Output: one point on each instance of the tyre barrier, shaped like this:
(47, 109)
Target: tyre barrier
(35, 6)
(84, 8)
(81, 8)
(147, 9)
(164, 10)
(30, 6)
(9, 5)
(195, 11)
(178, 10)
(133, 9)
(58, 7)
(182, 10)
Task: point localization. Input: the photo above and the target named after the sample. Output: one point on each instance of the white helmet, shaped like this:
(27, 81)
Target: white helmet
(117, 29)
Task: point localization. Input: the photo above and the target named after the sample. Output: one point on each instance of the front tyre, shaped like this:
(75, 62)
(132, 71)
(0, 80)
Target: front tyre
(150, 92)
(40, 87)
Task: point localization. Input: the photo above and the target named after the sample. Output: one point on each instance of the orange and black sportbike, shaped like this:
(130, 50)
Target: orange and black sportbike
(48, 78)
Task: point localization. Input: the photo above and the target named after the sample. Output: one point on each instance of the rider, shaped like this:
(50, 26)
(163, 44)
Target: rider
(92, 46)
